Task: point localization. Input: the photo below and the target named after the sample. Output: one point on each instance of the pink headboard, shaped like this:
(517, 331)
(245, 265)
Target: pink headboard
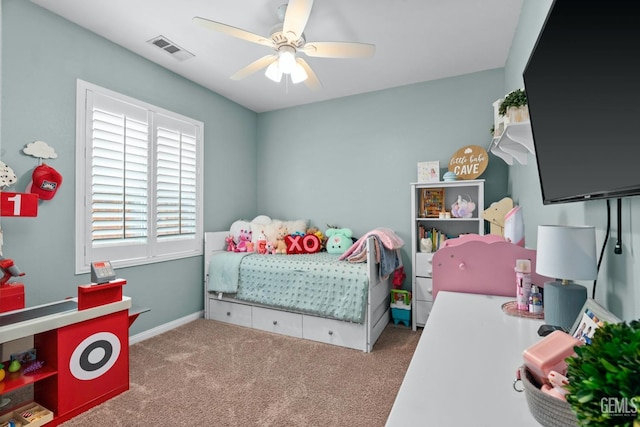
(481, 265)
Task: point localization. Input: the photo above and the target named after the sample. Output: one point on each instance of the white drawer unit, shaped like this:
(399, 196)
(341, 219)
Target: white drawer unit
(224, 311)
(280, 322)
(427, 201)
(332, 331)
(424, 264)
(424, 289)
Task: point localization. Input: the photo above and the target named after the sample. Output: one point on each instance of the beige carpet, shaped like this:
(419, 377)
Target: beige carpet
(208, 373)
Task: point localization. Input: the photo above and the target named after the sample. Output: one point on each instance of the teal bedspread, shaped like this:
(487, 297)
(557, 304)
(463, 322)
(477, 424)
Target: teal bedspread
(317, 284)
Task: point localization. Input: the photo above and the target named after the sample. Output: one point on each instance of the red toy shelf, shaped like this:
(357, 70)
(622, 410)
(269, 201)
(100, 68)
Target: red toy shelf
(16, 380)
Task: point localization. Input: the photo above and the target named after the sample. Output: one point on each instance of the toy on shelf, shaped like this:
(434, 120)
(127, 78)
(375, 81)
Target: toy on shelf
(463, 208)
(431, 202)
(401, 307)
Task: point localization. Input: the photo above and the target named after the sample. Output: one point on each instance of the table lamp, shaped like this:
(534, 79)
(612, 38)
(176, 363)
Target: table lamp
(566, 253)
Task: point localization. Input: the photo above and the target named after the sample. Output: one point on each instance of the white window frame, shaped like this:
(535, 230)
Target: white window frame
(127, 255)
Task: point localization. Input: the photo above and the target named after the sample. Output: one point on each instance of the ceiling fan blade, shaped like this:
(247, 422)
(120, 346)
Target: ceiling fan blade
(312, 81)
(257, 65)
(296, 18)
(233, 31)
(338, 50)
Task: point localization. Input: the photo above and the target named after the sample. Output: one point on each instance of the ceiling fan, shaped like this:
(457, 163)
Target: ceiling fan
(287, 39)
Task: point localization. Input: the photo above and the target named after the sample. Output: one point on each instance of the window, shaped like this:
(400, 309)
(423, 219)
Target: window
(138, 184)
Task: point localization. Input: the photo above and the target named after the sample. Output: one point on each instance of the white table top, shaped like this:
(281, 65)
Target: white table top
(463, 368)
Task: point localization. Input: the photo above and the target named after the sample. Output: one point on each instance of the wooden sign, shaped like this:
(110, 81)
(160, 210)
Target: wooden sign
(469, 162)
(18, 204)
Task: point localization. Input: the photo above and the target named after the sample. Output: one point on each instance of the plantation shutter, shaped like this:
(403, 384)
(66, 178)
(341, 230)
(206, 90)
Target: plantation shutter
(120, 168)
(176, 189)
(139, 187)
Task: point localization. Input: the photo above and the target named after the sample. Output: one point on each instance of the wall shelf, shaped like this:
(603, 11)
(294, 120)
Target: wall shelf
(515, 142)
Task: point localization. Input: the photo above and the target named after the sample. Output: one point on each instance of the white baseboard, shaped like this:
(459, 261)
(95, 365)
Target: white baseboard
(165, 327)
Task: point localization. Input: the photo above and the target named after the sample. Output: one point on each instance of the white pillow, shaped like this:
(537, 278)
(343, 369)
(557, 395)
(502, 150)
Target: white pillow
(297, 226)
(269, 229)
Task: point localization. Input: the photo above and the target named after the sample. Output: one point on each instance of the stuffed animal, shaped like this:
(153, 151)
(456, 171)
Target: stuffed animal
(317, 232)
(462, 208)
(245, 237)
(280, 245)
(270, 248)
(237, 227)
(231, 245)
(338, 240)
(261, 243)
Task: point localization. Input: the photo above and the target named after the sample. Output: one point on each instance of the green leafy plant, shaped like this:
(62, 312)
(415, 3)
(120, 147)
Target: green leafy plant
(604, 377)
(516, 98)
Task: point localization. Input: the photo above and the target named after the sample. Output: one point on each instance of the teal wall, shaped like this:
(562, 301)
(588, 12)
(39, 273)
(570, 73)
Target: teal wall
(43, 55)
(616, 287)
(349, 161)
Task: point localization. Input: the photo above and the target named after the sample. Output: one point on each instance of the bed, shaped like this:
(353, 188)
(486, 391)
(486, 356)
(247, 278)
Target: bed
(353, 314)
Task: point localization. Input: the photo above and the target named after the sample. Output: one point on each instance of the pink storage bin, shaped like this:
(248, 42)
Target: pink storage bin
(549, 354)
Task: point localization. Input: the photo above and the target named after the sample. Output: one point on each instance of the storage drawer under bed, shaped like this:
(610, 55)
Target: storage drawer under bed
(280, 322)
(224, 311)
(332, 331)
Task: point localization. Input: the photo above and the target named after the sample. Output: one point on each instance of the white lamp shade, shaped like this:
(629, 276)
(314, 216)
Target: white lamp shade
(286, 59)
(567, 252)
(273, 72)
(298, 74)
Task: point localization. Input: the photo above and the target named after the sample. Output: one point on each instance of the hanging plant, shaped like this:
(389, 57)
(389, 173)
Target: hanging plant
(516, 98)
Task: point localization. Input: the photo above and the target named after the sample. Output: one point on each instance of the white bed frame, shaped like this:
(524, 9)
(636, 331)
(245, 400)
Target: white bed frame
(346, 334)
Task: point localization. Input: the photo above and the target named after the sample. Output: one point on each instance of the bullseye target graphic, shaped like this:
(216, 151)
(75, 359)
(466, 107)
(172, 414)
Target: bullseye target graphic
(94, 356)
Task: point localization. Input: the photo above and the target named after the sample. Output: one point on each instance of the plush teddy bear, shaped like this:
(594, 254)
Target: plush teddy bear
(338, 240)
(280, 245)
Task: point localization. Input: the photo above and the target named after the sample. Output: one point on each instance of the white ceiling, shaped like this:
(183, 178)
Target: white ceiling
(416, 41)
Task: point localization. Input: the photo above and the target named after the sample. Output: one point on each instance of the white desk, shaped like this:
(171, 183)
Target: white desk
(462, 371)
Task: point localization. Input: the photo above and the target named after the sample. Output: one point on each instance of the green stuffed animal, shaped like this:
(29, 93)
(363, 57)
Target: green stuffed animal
(338, 240)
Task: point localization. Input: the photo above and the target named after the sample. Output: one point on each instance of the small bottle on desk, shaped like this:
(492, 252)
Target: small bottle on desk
(535, 300)
(523, 283)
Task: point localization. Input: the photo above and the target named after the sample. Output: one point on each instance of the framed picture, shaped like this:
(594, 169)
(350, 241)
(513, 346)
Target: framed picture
(591, 317)
(429, 171)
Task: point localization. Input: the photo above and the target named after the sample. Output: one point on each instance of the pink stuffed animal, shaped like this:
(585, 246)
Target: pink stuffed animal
(244, 238)
(231, 245)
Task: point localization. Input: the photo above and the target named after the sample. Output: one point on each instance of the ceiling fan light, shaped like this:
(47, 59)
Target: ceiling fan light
(273, 72)
(286, 59)
(298, 74)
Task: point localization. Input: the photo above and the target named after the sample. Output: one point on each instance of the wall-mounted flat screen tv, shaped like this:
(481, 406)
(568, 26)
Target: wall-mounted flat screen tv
(582, 82)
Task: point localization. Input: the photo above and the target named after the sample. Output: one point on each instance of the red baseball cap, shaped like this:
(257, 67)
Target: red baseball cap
(45, 181)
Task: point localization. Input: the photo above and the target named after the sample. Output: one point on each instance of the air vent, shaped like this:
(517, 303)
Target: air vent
(171, 48)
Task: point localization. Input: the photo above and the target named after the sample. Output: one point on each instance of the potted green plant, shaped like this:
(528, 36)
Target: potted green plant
(514, 106)
(604, 377)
